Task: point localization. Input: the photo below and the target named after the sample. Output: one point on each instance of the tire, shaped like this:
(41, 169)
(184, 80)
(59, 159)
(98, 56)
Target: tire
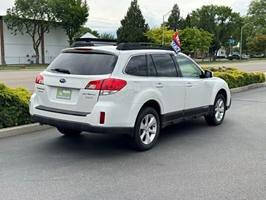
(146, 136)
(217, 114)
(69, 132)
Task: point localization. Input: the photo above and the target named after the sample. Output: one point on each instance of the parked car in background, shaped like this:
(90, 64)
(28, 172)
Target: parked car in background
(234, 56)
(257, 55)
(245, 56)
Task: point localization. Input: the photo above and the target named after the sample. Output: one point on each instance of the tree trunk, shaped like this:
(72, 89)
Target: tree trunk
(2, 43)
(70, 41)
(37, 54)
(43, 48)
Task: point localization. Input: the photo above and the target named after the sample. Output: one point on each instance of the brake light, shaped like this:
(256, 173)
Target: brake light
(94, 85)
(39, 79)
(107, 86)
(112, 84)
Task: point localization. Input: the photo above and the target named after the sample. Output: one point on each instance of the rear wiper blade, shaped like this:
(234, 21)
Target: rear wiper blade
(60, 70)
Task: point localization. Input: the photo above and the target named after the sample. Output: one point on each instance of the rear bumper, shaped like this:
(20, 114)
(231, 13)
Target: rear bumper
(81, 126)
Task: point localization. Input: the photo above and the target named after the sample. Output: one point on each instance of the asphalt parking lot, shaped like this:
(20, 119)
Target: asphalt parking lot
(191, 162)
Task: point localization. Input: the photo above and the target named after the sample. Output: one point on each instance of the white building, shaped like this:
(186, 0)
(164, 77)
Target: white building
(17, 49)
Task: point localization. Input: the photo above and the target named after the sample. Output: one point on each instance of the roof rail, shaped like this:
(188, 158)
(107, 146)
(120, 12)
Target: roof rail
(142, 46)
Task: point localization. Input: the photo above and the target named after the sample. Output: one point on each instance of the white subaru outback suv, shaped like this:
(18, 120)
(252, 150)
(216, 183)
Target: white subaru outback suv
(129, 88)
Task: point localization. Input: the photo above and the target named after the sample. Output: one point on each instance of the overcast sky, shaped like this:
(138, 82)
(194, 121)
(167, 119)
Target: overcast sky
(105, 15)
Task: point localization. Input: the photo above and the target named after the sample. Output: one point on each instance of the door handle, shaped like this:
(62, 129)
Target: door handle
(189, 84)
(159, 85)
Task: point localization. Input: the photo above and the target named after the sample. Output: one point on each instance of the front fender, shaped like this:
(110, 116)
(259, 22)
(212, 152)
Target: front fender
(217, 87)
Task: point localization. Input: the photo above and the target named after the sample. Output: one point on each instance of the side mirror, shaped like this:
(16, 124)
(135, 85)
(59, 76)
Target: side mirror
(208, 74)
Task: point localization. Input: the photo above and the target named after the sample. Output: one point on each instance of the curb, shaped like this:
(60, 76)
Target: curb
(21, 130)
(248, 87)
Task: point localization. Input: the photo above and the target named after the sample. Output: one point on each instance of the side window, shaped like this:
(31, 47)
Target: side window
(137, 66)
(187, 67)
(165, 65)
(151, 68)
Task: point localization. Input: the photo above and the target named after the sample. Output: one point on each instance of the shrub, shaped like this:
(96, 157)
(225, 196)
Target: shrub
(236, 78)
(14, 107)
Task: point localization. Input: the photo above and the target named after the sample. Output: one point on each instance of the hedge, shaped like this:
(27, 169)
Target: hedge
(14, 107)
(236, 78)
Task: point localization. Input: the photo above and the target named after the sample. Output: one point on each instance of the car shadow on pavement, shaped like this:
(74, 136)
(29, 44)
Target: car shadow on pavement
(97, 145)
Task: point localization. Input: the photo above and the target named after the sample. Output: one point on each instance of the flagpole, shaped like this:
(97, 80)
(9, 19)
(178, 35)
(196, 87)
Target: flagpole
(163, 38)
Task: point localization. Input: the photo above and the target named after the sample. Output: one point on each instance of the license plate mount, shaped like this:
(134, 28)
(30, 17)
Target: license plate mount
(64, 93)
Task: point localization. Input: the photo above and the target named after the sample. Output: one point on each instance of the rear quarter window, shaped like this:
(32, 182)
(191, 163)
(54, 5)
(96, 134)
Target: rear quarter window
(137, 66)
(84, 63)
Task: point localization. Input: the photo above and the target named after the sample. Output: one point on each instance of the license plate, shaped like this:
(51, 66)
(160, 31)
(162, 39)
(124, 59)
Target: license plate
(63, 93)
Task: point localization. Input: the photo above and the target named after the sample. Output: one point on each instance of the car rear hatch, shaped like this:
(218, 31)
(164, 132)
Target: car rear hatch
(66, 78)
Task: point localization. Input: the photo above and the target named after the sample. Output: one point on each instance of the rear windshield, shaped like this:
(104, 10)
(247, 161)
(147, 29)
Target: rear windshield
(83, 63)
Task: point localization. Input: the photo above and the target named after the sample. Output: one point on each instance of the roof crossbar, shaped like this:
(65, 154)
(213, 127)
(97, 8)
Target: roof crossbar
(142, 46)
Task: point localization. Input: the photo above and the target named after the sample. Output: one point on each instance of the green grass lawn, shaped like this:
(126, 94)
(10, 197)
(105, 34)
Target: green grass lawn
(22, 67)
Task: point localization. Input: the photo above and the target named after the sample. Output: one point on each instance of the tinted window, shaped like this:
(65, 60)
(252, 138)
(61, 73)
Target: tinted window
(137, 66)
(151, 67)
(188, 68)
(84, 64)
(165, 65)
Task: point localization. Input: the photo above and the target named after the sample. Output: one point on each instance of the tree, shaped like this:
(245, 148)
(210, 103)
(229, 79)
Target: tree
(156, 35)
(194, 40)
(133, 26)
(220, 21)
(187, 22)
(33, 18)
(107, 36)
(174, 19)
(257, 16)
(258, 44)
(71, 14)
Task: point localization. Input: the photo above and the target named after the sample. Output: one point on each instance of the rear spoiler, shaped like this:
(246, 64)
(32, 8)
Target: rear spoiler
(88, 42)
(84, 50)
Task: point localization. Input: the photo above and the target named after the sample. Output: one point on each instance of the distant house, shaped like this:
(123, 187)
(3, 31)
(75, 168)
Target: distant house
(17, 49)
(221, 53)
(91, 40)
(89, 36)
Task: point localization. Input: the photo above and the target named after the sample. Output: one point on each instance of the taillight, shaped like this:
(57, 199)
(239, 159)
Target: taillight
(112, 84)
(107, 86)
(39, 79)
(94, 85)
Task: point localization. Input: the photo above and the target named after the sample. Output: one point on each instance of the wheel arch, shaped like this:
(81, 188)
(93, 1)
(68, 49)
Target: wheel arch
(150, 103)
(221, 87)
(153, 104)
(224, 93)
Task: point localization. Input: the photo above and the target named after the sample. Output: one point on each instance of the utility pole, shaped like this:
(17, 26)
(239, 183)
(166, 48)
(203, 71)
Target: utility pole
(241, 40)
(163, 38)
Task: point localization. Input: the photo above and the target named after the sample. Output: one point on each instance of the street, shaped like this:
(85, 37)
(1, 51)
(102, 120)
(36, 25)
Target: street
(247, 66)
(192, 161)
(23, 79)
(26, 78)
